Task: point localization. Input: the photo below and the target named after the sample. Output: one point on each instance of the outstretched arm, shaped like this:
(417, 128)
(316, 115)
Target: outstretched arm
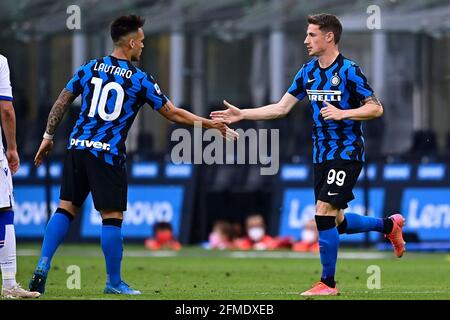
(181, 116)
(371, 108)
(272, 111)
(59, 108)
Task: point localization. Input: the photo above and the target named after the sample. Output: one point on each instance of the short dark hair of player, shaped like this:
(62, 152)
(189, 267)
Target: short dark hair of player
(125, 25)
(328, 23)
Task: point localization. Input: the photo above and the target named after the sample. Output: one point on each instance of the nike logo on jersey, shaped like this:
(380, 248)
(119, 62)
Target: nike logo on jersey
(6, 171)
(90, 144)
(311, 80)
(332, 193)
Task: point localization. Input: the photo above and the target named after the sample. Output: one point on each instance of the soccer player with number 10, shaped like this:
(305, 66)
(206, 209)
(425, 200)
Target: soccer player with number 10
(113, 90)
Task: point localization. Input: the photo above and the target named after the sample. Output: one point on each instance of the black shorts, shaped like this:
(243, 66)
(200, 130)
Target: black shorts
(334, 181)
(83, 173)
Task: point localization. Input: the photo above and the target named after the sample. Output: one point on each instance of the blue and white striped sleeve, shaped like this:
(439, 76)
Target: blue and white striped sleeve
(297, 88)
(74, 85)
(357, 84)
(152, 93)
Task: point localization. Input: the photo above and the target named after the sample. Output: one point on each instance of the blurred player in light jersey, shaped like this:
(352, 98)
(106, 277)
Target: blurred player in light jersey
(113, 90)
(9, 164)
(340, 99)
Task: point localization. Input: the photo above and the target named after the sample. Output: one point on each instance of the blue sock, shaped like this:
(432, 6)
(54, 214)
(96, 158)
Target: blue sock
(56, 229)
(356, 223)
(111, 242)
(329, 244)
(6, 217)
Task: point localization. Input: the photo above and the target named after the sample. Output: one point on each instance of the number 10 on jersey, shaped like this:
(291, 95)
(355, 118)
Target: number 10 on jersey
(102, 94)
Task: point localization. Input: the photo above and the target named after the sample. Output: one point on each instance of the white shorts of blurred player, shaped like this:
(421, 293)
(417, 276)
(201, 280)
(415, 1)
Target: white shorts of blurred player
(6, 186)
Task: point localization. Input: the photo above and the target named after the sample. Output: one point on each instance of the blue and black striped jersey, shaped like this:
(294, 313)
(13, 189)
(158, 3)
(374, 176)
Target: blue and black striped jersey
(113, 91)
(343, 85)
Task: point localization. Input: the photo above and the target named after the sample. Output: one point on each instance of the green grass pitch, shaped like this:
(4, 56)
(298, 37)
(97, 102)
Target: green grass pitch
(197, 274)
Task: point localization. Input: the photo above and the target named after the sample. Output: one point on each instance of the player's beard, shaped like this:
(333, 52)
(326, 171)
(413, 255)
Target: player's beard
(136, 57)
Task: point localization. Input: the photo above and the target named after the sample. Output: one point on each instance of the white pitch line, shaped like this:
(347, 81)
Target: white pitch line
(231, 254)
(157, 254)
(301, 255)
(344, 293)
(27, 252)
(130, 253)
(397, 292)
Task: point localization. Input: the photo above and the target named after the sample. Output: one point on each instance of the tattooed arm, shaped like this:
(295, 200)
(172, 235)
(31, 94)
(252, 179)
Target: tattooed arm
(370, 108)
(59, 108)
(372, 100)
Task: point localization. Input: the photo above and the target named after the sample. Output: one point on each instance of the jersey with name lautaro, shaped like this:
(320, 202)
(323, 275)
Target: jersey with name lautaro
(112, 92)
(343, 85)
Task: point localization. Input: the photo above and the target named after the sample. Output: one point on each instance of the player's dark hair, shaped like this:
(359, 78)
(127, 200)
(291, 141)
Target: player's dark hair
(327, 22)
(125, 25)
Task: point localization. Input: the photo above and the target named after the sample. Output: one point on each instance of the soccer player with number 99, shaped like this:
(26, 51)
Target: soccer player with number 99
(340, 98)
